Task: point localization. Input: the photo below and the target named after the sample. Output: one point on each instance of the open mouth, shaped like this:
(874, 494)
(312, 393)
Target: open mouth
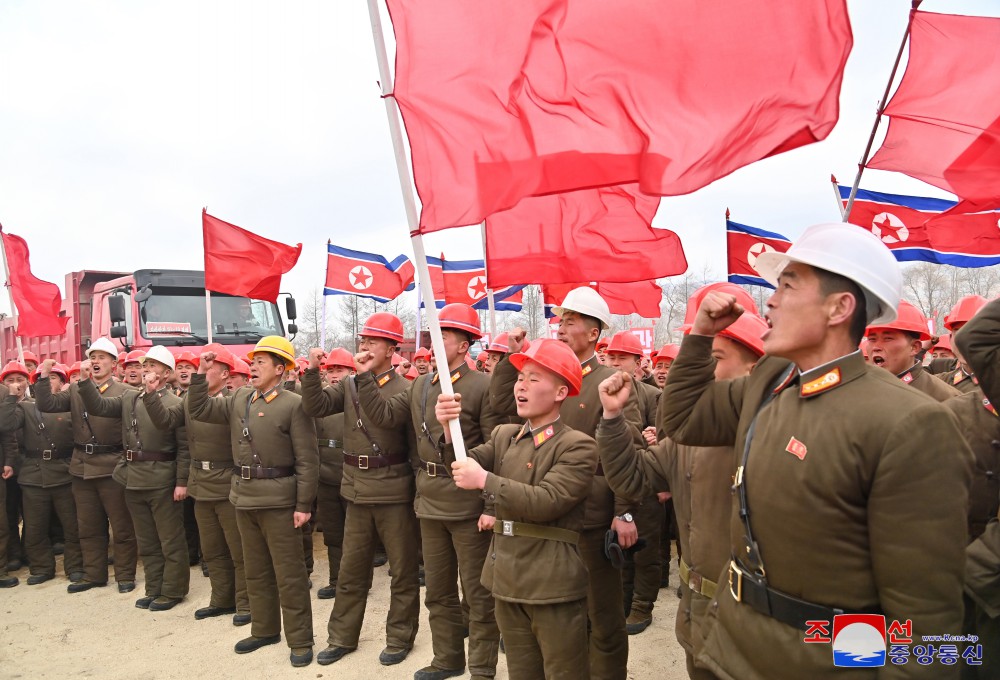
(878, 360)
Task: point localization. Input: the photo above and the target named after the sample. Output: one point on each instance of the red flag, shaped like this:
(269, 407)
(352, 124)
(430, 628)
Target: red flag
(504, 100)
(639, 297)
(945, 127)
(601, 234)
(239, 262)
(353, 272)
(38, 302)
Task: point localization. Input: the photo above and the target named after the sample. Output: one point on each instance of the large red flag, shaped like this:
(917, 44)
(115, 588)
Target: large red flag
(639, 297)
(238, 262)
(601, 234)
(945, 127)
(38, 302)
(504, 100)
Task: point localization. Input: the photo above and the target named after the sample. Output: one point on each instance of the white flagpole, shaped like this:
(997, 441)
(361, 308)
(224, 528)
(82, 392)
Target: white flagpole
(208, 313)
(489, 291)
(409, 203)
(10, 296)
(416, 343)
(840, 202)
(322, 332)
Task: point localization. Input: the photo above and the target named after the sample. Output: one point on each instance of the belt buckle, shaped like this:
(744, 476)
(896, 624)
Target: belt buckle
(88, 448)
(245, 472)
(206, 464)
(331, 443)
(694, 582)
(508, 528)
(47, 454)
(363, 462)
(431, 469)
(738, 593)
(128, 455)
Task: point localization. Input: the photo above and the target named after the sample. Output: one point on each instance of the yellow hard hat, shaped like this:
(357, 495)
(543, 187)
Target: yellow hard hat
(277, 345)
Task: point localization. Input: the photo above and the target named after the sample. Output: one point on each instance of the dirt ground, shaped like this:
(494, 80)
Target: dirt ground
(47, 633)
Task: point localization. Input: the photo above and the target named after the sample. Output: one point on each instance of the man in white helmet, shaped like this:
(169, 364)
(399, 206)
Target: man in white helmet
(850, 490)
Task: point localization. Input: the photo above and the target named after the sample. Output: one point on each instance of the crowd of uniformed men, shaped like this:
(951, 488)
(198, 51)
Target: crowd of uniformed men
(827, 457)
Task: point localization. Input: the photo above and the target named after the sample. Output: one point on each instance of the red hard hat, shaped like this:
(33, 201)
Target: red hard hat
(602, 344)
(339, 356)
(482, 356)
(74, 368)
(863, 346)
(28, 355)
(460, 317)
(412, 374)
(189, 357)
(14, 367)
(908, 319)
(397, 358)
(499, 344)
(222, 355)
(554, 356)
(383, 325)
(944, 342)
(134, 357)
(625, 342)
(240, 367)
(694, 302)
(667, 352)
(302, 364)
(963, 311)
(422, 353)
(747, 330)
(121, 357)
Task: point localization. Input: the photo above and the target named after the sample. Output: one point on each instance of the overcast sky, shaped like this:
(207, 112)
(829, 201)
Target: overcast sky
(119, 121)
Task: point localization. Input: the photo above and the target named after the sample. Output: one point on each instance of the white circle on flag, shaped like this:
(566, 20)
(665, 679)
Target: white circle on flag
(477, 287)
(889, 228)
(755, 250)
(361, 277)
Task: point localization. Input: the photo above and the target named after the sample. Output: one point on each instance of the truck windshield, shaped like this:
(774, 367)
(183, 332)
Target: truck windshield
(175, 314)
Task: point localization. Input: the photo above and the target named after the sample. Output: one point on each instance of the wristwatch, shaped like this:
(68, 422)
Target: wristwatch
(626, 517)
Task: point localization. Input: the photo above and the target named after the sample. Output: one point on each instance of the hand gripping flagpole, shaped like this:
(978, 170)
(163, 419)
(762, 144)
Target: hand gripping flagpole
(409, 203)
(846, 212)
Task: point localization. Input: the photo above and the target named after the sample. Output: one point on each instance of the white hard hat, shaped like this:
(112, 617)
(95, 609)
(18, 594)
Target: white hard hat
(586, 300)
(103, 345)
(850, 251)
(161, 354)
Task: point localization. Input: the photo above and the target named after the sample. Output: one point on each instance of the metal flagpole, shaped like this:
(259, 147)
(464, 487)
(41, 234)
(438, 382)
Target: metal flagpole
(10, 296)
(208, 312)
(840, 201)
(410, 204)
(489, 291)
(878, 115)
(322, 332)
(416, 344)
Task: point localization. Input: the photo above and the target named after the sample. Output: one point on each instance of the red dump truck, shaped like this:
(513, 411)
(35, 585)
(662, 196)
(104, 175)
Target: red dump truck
(150, 307)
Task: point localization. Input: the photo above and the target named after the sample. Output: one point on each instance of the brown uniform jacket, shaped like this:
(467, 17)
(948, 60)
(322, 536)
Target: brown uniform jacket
(330, 436)
(279, 432)
(538, 478)
(979, 423)
(851, 500)
(374, 486)
(916, 376)
(139, 433)
(437, 496)
(979, 342)
(35, 468)
(581, 413)
(211, 467)
(960, 380)
(101, 430)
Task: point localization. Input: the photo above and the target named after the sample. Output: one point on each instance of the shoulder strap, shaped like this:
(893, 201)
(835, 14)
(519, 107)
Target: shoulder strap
(245, 422)
(352, 388)
(41, 426)
(423, 411)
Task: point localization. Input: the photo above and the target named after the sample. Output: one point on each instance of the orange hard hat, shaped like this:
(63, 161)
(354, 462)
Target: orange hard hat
(383, 325)
(422, 353)
(909, 319)
(625, 342)
(694, 302)
(134, 357)
(944, 342)
(603, 344)
(963, 311)
(747, 330)
(338, 356)
(460, 317)
(13, 367)
(189, 357)
(73, 368)
(554, 356)
(667, 353)
(240, 367)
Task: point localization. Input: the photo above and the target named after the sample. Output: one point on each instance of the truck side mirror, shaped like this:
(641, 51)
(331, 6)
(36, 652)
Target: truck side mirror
(290, 309)
(119, 331)
(293, 329)
(116, 309)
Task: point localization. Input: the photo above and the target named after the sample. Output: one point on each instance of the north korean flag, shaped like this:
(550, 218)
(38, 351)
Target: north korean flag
(352, 272)
(914, 228)
(465, 281)
(744, 244)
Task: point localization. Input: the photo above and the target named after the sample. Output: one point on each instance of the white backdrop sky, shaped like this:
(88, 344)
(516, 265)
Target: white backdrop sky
(120, 120)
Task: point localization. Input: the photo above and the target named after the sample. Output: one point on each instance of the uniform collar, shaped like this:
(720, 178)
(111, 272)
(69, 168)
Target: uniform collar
(382, 378)
(456, 375)
(541, 434)
(589, 365)
(103, 387)
(831, 375)
(961, 375)
(268, 396)
(912, 373)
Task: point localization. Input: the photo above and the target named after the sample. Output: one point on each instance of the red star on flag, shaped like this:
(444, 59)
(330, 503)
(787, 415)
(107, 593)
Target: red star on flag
(478, 287)
(360, 279)
(889, 229)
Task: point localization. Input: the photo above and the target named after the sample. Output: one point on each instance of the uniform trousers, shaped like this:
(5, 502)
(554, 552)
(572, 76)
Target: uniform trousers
(692, 617)
(4, 530)
(222, 550)
(277, 581)
(15, 543)
(159, 530)
(39, 505)
(608, 639)
(978, 622)
(99, 501)
(191, 537)
(452, 550)
(332, 509)
(396, 525)
(544, 641)
(641, 575)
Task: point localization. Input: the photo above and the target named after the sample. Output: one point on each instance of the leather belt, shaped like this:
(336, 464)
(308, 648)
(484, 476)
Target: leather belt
(434, 469)
(770, 602)
(49, 454)
(149, 456)
(371, 462)
(697, 582)
(331, 443)
(98, 448)
(212, 465)
(508, 528)
(258, 472)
